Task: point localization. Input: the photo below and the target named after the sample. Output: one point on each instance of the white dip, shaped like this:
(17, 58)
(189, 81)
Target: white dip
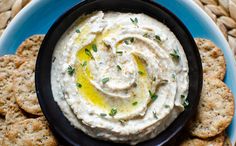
(120, 76)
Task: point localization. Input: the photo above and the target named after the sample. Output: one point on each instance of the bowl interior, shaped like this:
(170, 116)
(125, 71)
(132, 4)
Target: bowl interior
(59, 124)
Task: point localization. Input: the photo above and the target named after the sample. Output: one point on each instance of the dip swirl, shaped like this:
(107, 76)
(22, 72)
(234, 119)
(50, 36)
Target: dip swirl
(120, 76)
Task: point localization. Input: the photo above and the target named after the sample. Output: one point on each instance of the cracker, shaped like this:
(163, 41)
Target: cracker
(8, 65)
(30, 47)
(29, 132)
(213, 61)
(215, 141)
(2, 127)
(227, 141)
(24, 88)
(14, 114)
(215, 109)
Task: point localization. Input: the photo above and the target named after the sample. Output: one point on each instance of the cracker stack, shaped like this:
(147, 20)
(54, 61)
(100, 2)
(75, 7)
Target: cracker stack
(22, 122)
(216, 105)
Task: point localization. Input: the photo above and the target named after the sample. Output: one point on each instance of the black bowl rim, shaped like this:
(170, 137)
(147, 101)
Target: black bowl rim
(39, 66)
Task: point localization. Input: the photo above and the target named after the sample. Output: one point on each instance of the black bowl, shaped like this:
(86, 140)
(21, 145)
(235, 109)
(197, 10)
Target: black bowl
(59, 124)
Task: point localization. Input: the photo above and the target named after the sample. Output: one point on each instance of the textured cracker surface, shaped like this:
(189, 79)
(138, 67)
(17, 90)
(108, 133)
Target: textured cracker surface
(29, 132)
(30, 47)
(215, 109)
(8, 64)
(213, 61)
(215, 141)
(24, 88)
(227, 141)
(14, 114)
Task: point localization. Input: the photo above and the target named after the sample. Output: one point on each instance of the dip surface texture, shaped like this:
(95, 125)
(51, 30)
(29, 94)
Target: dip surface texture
(120, 76)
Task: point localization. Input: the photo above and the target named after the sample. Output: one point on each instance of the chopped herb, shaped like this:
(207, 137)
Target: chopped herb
(77, 30)
(122, 122)
(129, 41)
(155, 114)
(119, 52)
(87, 52)
(146, 35)
(134, 21)
(94, 47)
(175, 55)
(53, 58)
(105, 80)
(103, 114)
(154, 79)
(167, 106)
(152, 95)
(163, 81)
(134, 103)
(118, 67)
(182, 96)
(174, 76)
(135, 84)
(113, 112)
(78, 85)
(132, 40)
(186, 103)
(70, 70)
(84, 64)
(158, 39)
(141, 73)
(126, 42)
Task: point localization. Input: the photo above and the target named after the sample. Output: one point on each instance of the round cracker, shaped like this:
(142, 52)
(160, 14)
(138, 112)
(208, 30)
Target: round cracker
(24, 88)
(29, 132)
(215, 141)
(2, 127)
(14, 114)
(213, 61)
(227, 141)
(8, 65)
(215, 109)
(30, 47)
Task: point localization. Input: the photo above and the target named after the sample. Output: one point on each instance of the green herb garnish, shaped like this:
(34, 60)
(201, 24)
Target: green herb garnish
(122, 122)
(118, 67)
(129, 41)
(175, 54)
(70, 70)
(78, 85)
(103, 114)
(87, 52)
(158, 39)
(146, 35)
(105, 80)
(94, 47)
(113, 112)
(167, 106)
(134, 21)
(155, 114)
(152, 95)
(134, 103)
(84, 64)
(173, 76)
(141, 73)
(126, 42)
(119, 52)
(182, 96)
(154, 79)
(77, 30)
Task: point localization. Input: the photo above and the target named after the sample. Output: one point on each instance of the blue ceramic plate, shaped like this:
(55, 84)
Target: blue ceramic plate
(39, 15)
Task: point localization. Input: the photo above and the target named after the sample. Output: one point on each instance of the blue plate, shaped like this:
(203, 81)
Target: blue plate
(39, 15)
